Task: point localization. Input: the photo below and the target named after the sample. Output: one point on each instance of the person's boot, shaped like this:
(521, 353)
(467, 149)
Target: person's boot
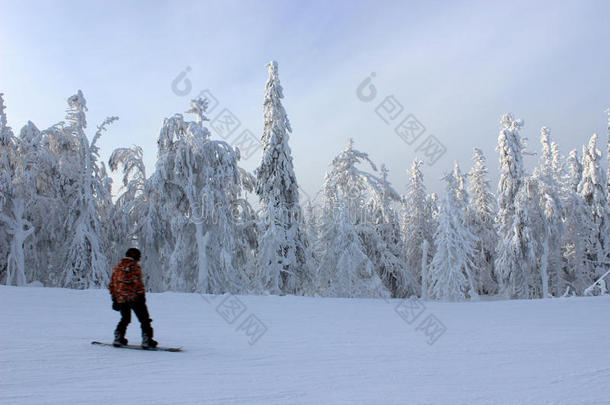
(119, 339)
(147, 339)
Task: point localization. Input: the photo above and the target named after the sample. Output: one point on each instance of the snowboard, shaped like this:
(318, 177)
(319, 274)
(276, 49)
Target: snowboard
(137, 347)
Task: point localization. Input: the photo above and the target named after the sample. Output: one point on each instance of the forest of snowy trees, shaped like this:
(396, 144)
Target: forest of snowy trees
(539, 234)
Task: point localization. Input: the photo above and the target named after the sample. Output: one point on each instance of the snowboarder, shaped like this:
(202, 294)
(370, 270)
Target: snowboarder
(128, 293)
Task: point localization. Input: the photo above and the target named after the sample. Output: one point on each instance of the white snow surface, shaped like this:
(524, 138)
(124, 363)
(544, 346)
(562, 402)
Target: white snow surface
(315, 351)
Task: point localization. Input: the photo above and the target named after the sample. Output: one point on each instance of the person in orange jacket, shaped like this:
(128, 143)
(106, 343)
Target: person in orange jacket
(128, 293)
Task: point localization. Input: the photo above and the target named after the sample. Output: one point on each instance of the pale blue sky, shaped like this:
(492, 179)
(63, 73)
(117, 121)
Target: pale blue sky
(457, 66)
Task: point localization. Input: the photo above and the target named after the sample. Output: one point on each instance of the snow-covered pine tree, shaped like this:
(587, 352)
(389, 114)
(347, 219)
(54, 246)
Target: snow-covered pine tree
(55, 169)
(527, 282)
(50, 177)
(482, 210)
(381, 236)
(246, 227)
(345, 269)
(131, 203)
(550, 228)
(312, 234)
(608, 157)
(578, 227)
(449, 277)
(282, 255)
(350, 183)
(6, 186)
(592, 188)
(424, 270)
(369, 200)
(574, 171)
(512, 257)
(7, 158)
(189, 221)
(558, 163)
(461, 194)
(607, 230)
(417, 224)
(462, 200)
(432, 207)
(15, 228)
(137, 219)
(86, 264)
(311, 222)
(220, 192)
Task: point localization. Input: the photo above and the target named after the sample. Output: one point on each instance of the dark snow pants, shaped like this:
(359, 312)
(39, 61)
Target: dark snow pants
(141, 311)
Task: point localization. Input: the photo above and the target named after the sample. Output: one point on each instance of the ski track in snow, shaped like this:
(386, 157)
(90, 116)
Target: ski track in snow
(315, 351)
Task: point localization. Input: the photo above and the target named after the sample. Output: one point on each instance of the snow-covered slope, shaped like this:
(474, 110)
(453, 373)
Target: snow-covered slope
(314, 351)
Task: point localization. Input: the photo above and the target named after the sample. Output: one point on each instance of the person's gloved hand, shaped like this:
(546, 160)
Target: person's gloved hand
(141, 298)
(116, 306)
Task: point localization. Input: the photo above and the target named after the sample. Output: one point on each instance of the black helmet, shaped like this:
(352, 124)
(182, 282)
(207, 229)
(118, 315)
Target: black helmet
(133, 253)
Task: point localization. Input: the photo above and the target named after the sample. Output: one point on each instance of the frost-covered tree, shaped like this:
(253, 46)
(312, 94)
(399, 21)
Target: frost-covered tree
(58, 171)
(6, 184)
(574, 171)
(311, 222)
(557, 164)
(282, 250)
(550, 225)
(417, 224)
(49, 176)
(185, 213)
(7, 155)
(523, 246)
(86, 263)
(220, 192)
(345, 269)
(461, 193)
(513, 255)
(482, 210)
(579, 228)
(348, 181)
(131, 203)
(450, 275)
(382, 238)
(606, 230)
(246, 227)
(139, 217)
(592, 188)
(312, 229)
(15, 228)
(370, 201)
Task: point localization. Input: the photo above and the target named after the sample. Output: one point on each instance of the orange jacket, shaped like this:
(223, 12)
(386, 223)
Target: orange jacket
(126, 283)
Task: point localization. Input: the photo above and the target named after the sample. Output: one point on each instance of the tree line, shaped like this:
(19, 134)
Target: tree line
(540, 234)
